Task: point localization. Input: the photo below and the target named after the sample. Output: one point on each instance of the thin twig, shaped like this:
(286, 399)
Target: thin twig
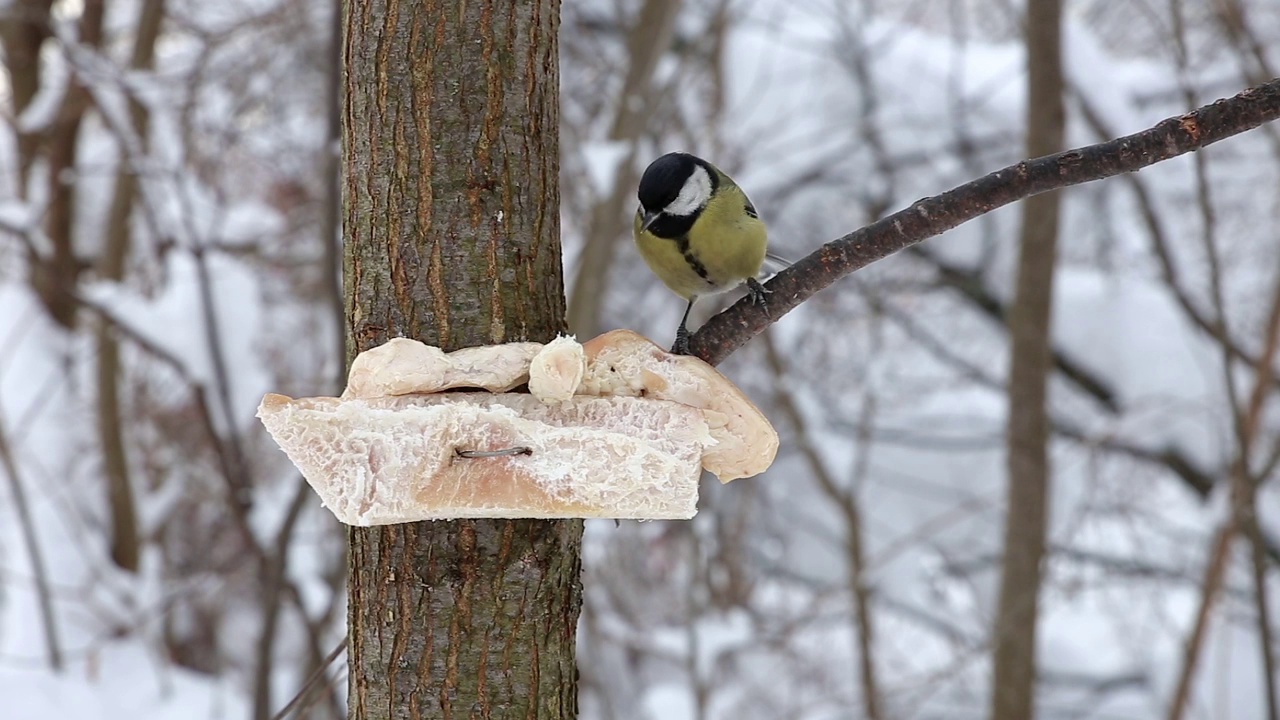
(200, 400)
(1213, 575)
(971, 285)
(1199, 480)
(1242, 518)
(731, 329)
(1265, 632)
(847, 502)
(311, 681)
(1245, 487)
(239, 477)
(1160, 247)
(44, 597)
(274, 578)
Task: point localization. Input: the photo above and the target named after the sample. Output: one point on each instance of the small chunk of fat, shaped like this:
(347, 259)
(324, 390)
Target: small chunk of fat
(403, 367)
(623, 362)
(557, 369)
(398, 367)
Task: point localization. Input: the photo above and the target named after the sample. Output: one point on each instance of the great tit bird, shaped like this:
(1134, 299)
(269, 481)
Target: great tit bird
(698, 232)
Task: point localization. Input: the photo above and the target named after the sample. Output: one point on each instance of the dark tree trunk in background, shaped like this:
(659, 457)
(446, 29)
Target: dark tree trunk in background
(647, 40)
(450, 171)
(1031, 359)
(24, 26)
(124, 542)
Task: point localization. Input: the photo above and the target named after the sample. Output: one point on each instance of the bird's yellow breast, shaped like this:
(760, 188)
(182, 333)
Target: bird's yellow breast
(723, 248)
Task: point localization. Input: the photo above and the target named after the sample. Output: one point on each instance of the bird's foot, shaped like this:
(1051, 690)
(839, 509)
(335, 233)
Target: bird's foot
(681, 346)
(758, 293)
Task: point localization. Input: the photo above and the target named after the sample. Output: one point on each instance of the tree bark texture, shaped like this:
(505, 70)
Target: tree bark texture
(1031, 361)
(450, 172)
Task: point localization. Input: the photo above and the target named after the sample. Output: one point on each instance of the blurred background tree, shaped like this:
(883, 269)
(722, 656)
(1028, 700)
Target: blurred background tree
(167, 254)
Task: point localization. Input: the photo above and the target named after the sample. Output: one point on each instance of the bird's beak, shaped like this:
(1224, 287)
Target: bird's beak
(648, 219)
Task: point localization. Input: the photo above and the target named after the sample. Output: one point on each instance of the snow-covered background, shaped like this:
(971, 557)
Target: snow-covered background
(875, 540)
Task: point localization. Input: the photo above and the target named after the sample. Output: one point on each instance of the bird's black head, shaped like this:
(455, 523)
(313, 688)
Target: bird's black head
(674, 174)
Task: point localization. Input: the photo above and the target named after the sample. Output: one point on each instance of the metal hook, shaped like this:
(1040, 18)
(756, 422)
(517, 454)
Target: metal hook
(505, 452)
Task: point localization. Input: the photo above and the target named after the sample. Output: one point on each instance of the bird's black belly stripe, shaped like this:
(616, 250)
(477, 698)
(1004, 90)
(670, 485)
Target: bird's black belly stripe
(682, 244)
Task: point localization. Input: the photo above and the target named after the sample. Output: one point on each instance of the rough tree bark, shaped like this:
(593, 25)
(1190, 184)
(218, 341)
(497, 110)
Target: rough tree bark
(450, 158)
(1031, 361)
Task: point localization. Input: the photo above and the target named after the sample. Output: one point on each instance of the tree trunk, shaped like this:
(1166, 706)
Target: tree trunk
(56, 276)
(1013, 684)
(24, 26)
(124, 541)
(450, 164)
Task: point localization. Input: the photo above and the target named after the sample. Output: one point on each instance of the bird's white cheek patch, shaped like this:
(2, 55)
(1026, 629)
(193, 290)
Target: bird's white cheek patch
(694, 195)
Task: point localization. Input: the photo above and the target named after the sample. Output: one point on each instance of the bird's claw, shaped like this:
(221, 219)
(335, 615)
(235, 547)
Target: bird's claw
(681, 345)
(758, 293)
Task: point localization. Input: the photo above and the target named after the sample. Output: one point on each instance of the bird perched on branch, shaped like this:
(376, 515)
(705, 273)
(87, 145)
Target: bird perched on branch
(698, 232)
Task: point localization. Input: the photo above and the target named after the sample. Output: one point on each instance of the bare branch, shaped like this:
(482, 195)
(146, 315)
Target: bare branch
(40, 576)
(924, 219)
(275, 564)
(970, 284)
(847, 503)
(311, 682)
(1258, 555)
(1242, 519)
(1160, 247)
(1213, 574)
